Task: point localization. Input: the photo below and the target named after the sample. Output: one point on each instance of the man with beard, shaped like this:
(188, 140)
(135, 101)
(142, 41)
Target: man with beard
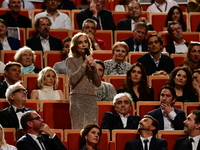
(169, 118)
(192, 129)
(147, 128)
(38, 134)
(43, 41)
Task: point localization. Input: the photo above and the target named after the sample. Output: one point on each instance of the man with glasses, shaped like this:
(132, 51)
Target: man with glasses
(16, 95)
(96, 12)
(178, 44)
(38, 134)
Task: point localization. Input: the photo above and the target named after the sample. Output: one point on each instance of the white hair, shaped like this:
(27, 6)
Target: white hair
(122, 95)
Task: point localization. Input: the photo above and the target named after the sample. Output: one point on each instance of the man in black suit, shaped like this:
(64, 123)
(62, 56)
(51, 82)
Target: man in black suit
(169, 118)
(148, 128)
(178, 44)
(11, 74)
(34, 139)
(121, 119)
(135, 11)
(155, 62)
(43, 41)
(192, 129)
(16, 95)
(137, 43)
(96, 12)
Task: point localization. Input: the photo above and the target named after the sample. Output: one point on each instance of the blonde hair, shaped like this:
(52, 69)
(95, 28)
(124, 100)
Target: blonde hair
(3, 141)
(120, 44)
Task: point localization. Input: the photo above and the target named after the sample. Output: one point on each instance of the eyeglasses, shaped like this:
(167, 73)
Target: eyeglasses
(20, 90)
(36, 118)
(176, 29)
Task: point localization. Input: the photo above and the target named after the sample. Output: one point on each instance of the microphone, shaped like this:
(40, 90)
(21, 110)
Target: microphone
(87, 52)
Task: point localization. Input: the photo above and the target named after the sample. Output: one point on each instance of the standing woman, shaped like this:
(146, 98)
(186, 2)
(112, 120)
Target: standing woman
(82, 76)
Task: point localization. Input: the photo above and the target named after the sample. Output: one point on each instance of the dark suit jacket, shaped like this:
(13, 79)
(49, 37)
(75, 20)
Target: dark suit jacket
(125, 24)
(26, 142)
(177, 122)
(13, 42)
(113, 121)
(3, 88)
(170, 48)
(155, 144)
(183, 144)
(166, 63)
(8, 117)
(107, 21)
(35, 43)
(130, 43)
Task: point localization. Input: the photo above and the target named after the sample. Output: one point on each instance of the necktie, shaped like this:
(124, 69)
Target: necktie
(22, 110)
(190, 143)
(137, 48)
(145, 144)
(40, 141)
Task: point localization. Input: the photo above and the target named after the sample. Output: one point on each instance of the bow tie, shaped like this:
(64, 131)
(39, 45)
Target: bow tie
(22, 110)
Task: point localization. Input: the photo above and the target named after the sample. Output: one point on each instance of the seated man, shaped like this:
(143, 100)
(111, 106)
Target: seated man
(58, 19)
(38, 134)
(137, 43)
(106, 91)
(121, 119)
(89, 27)
(43, 41)
(24, 4)
(178, 45)
(64, 4)
(169, 118)
(147, 128)
(12, 71)
(135, 12)
(155, 62)
(16, 95)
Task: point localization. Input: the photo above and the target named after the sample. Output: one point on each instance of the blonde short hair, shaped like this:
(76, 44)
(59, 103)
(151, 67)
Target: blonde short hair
(121, 44)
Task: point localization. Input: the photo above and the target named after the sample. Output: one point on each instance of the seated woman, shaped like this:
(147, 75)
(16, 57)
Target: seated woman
(136, 84)
(26, 57)
(47, 82)
(175, 14)
(181, 79)
(90, 137)
(117, 65)
(7, 43)
(192, 59)
(3, 144)
(123, 5)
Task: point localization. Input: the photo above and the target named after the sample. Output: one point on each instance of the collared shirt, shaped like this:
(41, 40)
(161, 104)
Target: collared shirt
(124, 119)
(132, 24)
(156, 62)
(19, 115)
(149, 139)
(168, 118)
(196, 142)
(62, 20)
(179, 48)
(45, 43)
(5, 44)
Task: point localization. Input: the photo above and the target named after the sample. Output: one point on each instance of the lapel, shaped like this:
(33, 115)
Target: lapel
(38, 42)
(129, 23)
(33, 143)
(13, 116)
(198, 147)
(119, 121)
(138, 144)
(161, 121)
(43, 141)
(153, 144)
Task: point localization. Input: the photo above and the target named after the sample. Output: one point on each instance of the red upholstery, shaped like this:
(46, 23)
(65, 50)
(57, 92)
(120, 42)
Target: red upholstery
(74, 22)
(189, 106)
(133, 56)
(22, 32)
(102, 55)
(10, 135)
(194, 21)
(178, 59)
(116, 80)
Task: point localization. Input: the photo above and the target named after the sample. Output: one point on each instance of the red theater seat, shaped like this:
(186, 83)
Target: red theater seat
(189, 106)
(102, 55)
(178, 59)
(10, 135)
(116, 80)
(194, 21)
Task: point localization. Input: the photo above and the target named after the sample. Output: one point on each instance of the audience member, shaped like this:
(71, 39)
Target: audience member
(13, 17)
(43, 41)
(192, 59)
(24, 4)
(147, 128)
(47, 83)
(191, 128)
(158, 6)
(96, 12)
(121, 119)
(175, 14)
(154, 62)
(84, 4)
(135, 12)
(106, 91)
(137, 43)
(117, 65)
(136, 84)
(193, 6)
(198, 27)
(3, 144)
(89, 27)
(60, 67)
(7, 43)
(123, 5)
(26, 57)
(196, 82)
(88, 134)
(181, 80)
(83, 76)
(2, 65)
(11, 76)
(169, 118)
(38, 135)
(64, 4)
(178, 45)
(16, 95)
(58, 19)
